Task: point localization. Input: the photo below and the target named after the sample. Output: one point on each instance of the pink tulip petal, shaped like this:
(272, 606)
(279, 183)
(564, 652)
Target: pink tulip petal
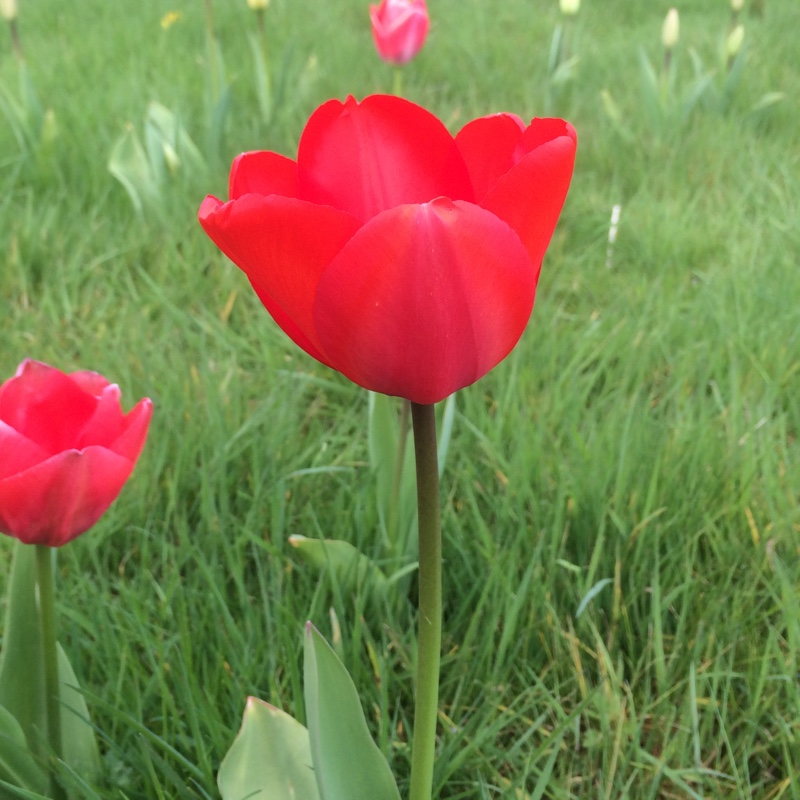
(490, 146)
(530, 196)
(136, 423)
(17, 452)
(262, 172)
(425, 299)
(45, 405)
(105, 425)
(282, 245)
(58, 499)
(399, 29)
(364, 158)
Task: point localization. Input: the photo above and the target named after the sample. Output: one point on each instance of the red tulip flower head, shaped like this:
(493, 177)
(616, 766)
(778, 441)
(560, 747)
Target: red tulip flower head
(390, 250)
(399, 28)
(66, 450)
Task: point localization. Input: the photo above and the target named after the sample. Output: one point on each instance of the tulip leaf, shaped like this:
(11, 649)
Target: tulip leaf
(22, 682)
(21, 674)
(18, 765)
(347, 763)
(384, 440)
(79, 742)
(349, 566)
(270, 759)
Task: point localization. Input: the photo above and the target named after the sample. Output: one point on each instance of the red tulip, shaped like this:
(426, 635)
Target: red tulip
(399, 28)
(66, 450)
(400, 255)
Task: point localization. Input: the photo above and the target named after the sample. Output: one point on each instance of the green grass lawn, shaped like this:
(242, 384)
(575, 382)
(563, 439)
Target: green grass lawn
(639, 448)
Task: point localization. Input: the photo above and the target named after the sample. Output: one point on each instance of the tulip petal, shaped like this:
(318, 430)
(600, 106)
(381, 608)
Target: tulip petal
(58, 499)
(425, 299)
(17, 452)
(530, 196)
(364, 158)
(262, 172)
(45, 405)
(136, 423)
(92, 382)
(490, 146)
(282, 245)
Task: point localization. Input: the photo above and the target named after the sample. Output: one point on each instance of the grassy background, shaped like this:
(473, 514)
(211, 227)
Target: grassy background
(642, 435)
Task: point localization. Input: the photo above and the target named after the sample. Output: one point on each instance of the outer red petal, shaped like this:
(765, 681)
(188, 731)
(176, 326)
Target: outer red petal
(17, 453)
(530, 196)
(58, 499)
(45, 405)
(282, 245)
(364, 158)
(92, 382)
(490, 146)
(425, 299)
(262, 172)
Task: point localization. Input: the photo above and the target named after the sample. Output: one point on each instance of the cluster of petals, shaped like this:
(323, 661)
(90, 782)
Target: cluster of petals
(392, 251)
(66, 450)
(399, 29)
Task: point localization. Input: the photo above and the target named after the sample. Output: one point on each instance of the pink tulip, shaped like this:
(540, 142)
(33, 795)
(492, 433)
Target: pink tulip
(66, 450)
(399, 28)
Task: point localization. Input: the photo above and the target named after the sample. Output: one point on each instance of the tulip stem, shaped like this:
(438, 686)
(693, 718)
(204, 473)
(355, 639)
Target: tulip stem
(429, 645)
(397, 88)
(47, 618)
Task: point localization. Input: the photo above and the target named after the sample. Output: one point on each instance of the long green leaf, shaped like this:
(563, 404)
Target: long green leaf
(18, 765)
(351, 568)
(21, 674)
(347, 762)
(270, 759)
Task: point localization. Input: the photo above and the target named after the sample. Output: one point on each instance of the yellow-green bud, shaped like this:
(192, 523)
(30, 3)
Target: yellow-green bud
(8, 9)
(735, 41)
(671, 29)
(258, 5)
(570, 7)
(737, 5)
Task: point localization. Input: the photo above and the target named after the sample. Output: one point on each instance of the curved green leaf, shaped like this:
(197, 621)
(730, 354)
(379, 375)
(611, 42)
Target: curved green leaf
(347, 762)
(18, 766)
(351, 568)
(270, 759)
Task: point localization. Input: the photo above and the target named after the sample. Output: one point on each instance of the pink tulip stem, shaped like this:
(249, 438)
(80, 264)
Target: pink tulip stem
(397, 475)
(397, 87)
(429, 644)
(47, 619)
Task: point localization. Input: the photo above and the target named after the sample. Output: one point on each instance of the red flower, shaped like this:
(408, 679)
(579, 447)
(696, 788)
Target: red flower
(401, 256)
(66, 450)
(399, 28)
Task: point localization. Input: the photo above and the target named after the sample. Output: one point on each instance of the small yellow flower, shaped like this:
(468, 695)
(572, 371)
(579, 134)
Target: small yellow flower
(169, 19)
(671, 29)
(8, 9)
(737, 5)
(570, 7)
(258, 5)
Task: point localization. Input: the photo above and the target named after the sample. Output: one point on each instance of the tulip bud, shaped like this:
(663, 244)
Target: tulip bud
(399, 29)
(671, 29)
(737, 6)
(8, 9)
(734, 43)
(257, 5)
(570, 7)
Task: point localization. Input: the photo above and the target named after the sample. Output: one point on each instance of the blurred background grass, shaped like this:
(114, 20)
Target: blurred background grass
(638, 448)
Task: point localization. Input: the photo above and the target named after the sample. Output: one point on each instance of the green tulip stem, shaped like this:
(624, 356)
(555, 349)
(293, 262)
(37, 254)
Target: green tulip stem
(397, 89)
(47, 618)
(397, 475)
(429, 645)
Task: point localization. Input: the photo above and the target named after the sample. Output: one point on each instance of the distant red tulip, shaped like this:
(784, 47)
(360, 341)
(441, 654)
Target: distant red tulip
(399, 28)
(66, 450)
(401, 256)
